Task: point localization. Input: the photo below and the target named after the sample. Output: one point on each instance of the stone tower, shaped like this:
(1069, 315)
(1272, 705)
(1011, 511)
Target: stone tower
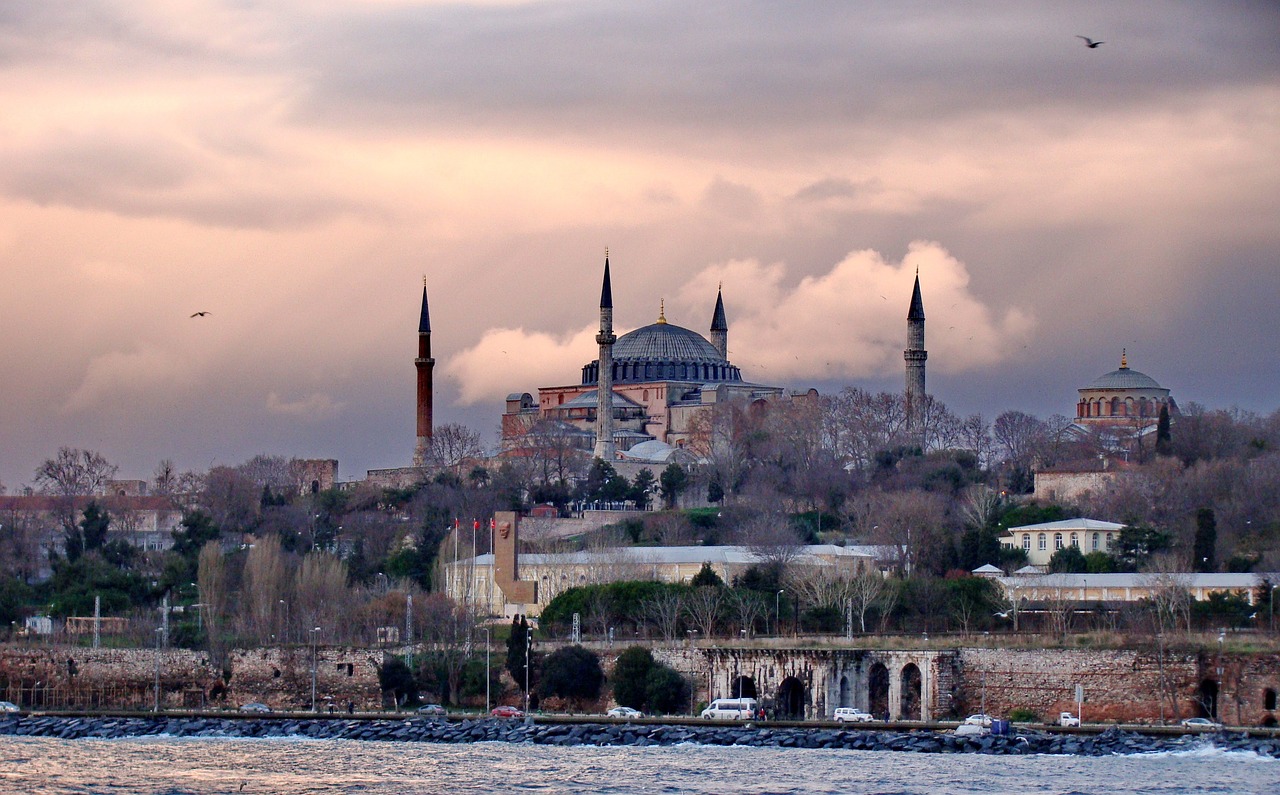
(424, 364)
(915, 355)
(720, 327)
(604, 394)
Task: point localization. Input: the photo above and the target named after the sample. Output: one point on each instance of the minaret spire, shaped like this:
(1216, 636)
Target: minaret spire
(424, 364)
(720, 326)
(604, 448)
(915, 356)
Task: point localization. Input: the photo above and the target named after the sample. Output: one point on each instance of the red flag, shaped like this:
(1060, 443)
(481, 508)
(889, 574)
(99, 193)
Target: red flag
(456, 523)
(493, 523)
(476, 524)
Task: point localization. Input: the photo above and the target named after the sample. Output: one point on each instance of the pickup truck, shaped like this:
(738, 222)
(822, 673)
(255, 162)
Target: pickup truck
(1067, 719)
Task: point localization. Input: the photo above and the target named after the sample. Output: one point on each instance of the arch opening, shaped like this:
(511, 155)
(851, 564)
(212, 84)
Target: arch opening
(911, 688)
(878, 690)
(790, 701)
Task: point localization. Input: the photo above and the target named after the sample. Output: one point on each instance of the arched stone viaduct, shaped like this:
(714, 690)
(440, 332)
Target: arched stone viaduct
(808, 684)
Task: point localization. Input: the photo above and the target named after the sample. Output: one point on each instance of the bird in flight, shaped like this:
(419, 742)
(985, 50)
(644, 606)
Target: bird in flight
(199, 314)
(1090, 43)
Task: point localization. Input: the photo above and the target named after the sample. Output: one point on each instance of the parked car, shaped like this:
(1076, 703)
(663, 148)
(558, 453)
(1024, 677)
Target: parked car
(979, 720)
(506, 712)
(851, 715)
(1200, 723)
(9, 706)
(625, 712)
(1067, 719)
(254, 706)
(435, 710)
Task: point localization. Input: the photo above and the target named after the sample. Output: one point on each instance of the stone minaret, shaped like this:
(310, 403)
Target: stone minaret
(720, 327)
(915, 355)
(425, 364)
(604, 393)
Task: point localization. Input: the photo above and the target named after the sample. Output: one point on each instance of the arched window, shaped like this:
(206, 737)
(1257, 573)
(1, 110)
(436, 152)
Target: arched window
(1026, 542)
(1057, 541)
(1115, 406)
(1096, 537)
(1075, 540)
(1042, 542)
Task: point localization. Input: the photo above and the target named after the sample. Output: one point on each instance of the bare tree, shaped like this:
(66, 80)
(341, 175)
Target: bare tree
(748, 607)
(321, 595)
(231, 498)
(664, 611)
(211, 578)
(864, 591)
(703, 607)
(771, 540)
(453, 447)
(164, 481)
(73, 472)
(264, 585)
(1170, 600)
(865, 423)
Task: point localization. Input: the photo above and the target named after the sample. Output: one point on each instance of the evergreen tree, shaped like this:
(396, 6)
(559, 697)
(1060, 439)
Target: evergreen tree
(641, 488)
(517, 649)
(674, 479)
(1164, 438)
(630, 674)
(707, 576)
(572, 673)
(94, 525)
(1204, 547)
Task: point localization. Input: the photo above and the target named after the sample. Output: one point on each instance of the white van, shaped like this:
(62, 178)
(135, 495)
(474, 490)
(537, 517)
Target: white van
(731, 709)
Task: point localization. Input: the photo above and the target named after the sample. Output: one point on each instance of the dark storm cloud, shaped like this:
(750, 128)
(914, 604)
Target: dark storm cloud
(767, 67)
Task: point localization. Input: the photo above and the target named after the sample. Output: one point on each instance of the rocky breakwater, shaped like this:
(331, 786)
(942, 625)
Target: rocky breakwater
(1112, 741)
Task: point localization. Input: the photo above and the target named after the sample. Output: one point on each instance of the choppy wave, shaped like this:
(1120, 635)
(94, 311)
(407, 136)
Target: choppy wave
(305, 766)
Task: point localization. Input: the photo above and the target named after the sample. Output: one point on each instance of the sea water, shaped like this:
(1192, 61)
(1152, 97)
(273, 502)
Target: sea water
(196, 766)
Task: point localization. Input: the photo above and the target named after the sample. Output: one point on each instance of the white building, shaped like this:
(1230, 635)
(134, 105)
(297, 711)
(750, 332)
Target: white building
(1040, 541)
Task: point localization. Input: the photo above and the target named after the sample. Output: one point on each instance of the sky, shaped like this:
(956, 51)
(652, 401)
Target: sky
(296, 169)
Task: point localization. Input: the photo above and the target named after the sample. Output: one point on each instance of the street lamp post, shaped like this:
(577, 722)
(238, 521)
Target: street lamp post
(1271, 603)
(528, 647)
(486, 669)
(157, 704)
(777, 611)
(314, 632)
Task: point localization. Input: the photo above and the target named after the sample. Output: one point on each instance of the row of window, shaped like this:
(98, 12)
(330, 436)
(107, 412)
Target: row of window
(1098, 541)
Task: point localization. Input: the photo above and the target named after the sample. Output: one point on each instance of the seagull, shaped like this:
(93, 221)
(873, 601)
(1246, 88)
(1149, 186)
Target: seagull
(199, 314)
(1002, 615)
(1090, 43)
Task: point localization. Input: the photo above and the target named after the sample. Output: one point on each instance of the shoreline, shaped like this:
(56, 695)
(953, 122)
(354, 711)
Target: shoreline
(1024, 741)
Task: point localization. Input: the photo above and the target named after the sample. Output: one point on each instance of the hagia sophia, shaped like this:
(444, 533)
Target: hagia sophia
(638, 400)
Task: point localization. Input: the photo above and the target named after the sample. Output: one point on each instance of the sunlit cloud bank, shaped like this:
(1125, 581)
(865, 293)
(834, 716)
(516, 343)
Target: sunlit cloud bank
(849, 323)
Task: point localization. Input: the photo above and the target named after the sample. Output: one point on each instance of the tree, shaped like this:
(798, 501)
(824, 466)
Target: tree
(1135, 545)
(702, 607)
(666, 691)
(265, 582)
(453, 447)
(706, 576)
(1069, 559)
(74, 472)
(673, 481)
(572, 673)
(212, 580)
(864, 591)
(396, 680)
(664, 611)
(94, 526)
(517, 649)
(1204, 547)
(641, 489)
(1164, 437)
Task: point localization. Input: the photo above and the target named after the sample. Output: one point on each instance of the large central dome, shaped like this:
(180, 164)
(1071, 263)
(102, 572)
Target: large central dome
(664, 352)
(665, 342)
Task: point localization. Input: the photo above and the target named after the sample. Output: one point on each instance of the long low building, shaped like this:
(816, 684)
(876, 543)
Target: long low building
(1130, 587)
(472, 581)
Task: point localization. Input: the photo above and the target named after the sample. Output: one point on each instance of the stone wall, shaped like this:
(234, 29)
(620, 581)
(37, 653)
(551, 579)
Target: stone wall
(76, 677)
(1125, 685)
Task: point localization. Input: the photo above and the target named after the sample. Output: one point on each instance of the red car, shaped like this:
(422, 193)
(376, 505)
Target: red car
(506, 712)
